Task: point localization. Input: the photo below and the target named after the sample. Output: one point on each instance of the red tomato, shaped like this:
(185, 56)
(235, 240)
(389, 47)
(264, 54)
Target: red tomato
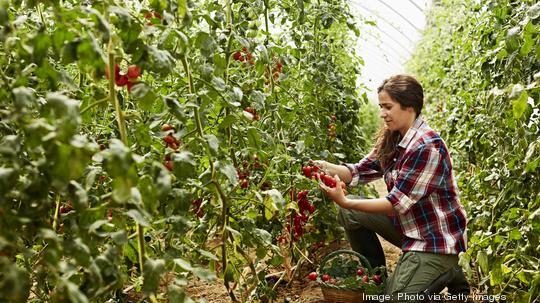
(133, 71)
(167, 127)
(325, 277)
(168, 165)
(312, 276)
(307, 171)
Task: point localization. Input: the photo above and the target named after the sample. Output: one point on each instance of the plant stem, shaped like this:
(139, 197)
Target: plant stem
(123, 136)
(55, 221)
(94, 104)
(266, 23)
(224, 208)
(228, 131)
(198, 122)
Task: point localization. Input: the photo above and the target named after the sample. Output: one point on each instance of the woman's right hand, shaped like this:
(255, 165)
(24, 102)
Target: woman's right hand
(321, 164)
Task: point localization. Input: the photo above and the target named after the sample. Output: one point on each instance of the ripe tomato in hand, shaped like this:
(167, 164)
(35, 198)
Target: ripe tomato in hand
(133, 71)
(307, 171)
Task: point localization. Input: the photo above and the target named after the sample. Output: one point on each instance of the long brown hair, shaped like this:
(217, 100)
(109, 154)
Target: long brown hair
(408, 92)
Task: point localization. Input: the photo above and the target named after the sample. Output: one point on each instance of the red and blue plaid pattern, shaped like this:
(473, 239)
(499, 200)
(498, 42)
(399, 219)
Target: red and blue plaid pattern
(422, 190)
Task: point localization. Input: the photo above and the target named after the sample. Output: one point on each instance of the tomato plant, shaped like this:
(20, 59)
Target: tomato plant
(136, 144)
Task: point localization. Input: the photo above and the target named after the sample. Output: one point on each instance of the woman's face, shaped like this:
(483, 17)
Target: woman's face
(395, 117)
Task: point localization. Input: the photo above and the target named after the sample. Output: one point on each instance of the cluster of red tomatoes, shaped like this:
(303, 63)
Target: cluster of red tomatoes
(151, 17)
(314, 173)
(121, 79)
(245, 172)
(242, 176)
(252, 113)
(244, 55)
(300, 219)
(332, 129)
(197, 210)
(171, 142)
(361, 274)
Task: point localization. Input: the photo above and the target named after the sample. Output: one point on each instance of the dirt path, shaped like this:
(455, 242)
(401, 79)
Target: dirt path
(298, 290)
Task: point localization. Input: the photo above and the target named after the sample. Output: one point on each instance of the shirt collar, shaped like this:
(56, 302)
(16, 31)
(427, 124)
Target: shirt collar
(411, 133)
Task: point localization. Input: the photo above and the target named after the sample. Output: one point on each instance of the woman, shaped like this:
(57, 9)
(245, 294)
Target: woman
(422, 213)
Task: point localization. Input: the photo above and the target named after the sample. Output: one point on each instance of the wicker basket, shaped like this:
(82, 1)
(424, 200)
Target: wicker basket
(344, 293)
(334, 295)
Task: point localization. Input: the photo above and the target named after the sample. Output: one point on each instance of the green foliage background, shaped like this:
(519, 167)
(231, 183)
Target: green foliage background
(479, 62)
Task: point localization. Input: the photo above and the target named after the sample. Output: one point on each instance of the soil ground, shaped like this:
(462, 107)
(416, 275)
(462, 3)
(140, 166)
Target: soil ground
(298, 290)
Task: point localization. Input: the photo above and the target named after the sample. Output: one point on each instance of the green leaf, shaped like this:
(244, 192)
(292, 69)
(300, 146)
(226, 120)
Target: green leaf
(79, 250)
(103, 26)
(515, 234)
(270, 208)
(24, 98)
(264, 236)
(183, 264)
(119, 237)
(212, 142)
(78, 195)
(534, 11)
(482, 259)
(14, 282)
(161, 61)
(184, 165)
(8, 179)
(93, 228)
(257, 99)
(143, 93)
(63, 107)
(229, 171)
(121, 190)
(254, 138)
(153, 269)
(520, 105)
(465, 263)
(73, 292)
(206, 44)
(138, 217)
(219, 83)
(208, 254)
(261, 252)
(204, 274)
(496, 274)
(182, 8)
(227, 121)
(149, 193)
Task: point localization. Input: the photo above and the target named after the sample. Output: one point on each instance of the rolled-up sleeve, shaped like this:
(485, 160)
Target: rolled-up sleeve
(421, 173)
(367, 170)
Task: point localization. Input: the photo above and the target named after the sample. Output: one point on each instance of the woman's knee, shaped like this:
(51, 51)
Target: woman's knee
(352, 219)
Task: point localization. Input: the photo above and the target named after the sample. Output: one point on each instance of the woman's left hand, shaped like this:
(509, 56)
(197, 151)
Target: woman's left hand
(337, 193)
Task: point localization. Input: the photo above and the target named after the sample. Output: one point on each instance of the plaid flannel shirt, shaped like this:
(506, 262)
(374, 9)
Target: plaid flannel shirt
(422, 190)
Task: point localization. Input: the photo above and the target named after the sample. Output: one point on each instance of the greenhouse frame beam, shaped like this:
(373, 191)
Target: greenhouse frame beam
(398, 53)
(416, 5)
(399, 14)
(383, 19)
(395, 41)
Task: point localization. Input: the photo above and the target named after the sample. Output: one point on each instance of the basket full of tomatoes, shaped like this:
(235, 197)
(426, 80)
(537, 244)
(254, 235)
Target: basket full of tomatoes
(346, 276)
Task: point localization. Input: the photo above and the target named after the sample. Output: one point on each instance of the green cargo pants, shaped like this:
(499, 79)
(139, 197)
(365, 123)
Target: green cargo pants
(414, 272)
